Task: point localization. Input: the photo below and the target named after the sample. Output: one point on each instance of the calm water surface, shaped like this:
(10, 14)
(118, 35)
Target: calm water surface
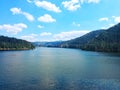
(59, 69)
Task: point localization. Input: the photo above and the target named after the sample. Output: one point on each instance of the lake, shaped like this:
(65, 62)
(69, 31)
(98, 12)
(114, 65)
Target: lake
(59, 69)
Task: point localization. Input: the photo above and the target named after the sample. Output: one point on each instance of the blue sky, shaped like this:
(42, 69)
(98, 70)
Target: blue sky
(52, 20)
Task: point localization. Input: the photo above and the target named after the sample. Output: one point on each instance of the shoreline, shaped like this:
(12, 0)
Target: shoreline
(14, 49)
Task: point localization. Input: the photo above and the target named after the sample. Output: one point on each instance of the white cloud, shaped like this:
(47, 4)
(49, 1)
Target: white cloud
(29, 1)
(103, 19)
(108, 26)
(75, 24)
(111, 21)
(46, 18)
(71, 5)
(69, 35)
(19, 11)
(116, 19)
(93, 1)
(47, 5)
(111, 25)
(89, 1)
(15, 10)
(40, 26)
(46, 34)
(14, 29)
(31, 37)
(28, 16)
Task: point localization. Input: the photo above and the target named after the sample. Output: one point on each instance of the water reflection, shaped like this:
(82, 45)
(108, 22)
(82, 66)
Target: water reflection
(59, 69)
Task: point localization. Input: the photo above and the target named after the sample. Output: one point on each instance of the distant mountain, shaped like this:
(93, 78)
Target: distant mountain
(100, 40)
(80, 41)
(7, 43)
(48, 44)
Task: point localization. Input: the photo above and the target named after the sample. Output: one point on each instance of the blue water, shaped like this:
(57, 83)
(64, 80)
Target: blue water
(59, 69)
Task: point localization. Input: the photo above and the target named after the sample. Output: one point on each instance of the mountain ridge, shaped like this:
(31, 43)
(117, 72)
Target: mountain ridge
(100, 40)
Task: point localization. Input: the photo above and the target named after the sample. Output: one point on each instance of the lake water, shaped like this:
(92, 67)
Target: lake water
(59, 69)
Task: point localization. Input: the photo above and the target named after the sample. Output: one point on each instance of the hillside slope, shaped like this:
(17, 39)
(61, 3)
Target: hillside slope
(108, 41)
(100, 40)
(7, 43)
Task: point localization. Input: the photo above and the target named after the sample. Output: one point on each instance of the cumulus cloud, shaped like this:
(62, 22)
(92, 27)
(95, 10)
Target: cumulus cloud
(15, 10)
(75, 24)
(40, 26)
(14, 29)
(69, 35)
(103, 19)
(108, 26)
(46, 18)
(28, 16)
(47, 5)
(116, 19)
(48, 36)
(93, 1)
(73, 5)
(31, 37)
(29, 1)
(111, 21)
(45, 34)
(19, 11)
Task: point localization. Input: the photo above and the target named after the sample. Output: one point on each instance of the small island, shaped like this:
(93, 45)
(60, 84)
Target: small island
(7, 43)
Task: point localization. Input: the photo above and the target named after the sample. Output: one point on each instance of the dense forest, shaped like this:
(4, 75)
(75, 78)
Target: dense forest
(101, 40)
(7, 43)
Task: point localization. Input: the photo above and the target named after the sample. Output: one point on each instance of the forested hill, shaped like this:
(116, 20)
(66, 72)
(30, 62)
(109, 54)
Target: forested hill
(81, 41)
(100, 40)
(7, 43)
